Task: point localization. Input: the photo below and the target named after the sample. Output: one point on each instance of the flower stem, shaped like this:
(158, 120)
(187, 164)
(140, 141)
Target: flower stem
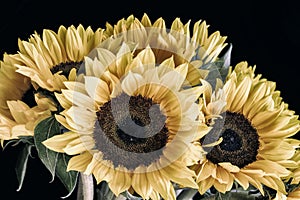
(85, 187)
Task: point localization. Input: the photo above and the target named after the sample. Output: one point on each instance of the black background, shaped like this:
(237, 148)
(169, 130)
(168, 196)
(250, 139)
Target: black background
(264, 34)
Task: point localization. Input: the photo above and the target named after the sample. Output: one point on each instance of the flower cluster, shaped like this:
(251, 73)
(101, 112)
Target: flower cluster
(148, 113)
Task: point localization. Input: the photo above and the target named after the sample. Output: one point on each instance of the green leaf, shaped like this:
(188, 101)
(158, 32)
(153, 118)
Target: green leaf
(69, 179)
(55, 162)
(21, 164)
(44, 130)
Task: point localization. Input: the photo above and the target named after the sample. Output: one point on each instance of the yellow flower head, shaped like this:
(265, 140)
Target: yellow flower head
(251, 134)
(131, 124)
(48, 60)
(197, 48)
(20, 109)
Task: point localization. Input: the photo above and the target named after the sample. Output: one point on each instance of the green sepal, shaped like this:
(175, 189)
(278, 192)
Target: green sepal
(213, 74)
(224, 63)
(44, 130)
(218, 69)
(21, 164)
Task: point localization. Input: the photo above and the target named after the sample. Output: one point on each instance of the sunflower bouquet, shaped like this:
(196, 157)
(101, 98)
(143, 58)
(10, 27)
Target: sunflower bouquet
(139, 111)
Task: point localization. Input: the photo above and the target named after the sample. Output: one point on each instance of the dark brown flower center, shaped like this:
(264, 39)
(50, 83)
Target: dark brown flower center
(66, 67)
(240, 140)
(131, 131)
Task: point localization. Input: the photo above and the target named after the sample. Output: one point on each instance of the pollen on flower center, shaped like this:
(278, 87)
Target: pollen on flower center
(132, 131)
(66, 67)
(240, 140)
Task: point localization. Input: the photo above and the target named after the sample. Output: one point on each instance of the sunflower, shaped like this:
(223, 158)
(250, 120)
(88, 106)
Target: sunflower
(134, 132)
(253, 135)
(20, 109)
(198, 48)
(49, 60)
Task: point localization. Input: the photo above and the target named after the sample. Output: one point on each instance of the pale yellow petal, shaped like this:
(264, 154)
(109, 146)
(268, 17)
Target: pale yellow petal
(229, 167)
(131, 83)
(242, 179)
(79, 145)
(121, 181)
(104, 171)
(174, 79)
(159, 183)
(141, 184)
(79, 99)
(205, 185)
(207, 169)
(59, 142)
(181, 175)
(241, 95)
(147, 57)
(80, 162)
(269, 167)
(97, 89)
